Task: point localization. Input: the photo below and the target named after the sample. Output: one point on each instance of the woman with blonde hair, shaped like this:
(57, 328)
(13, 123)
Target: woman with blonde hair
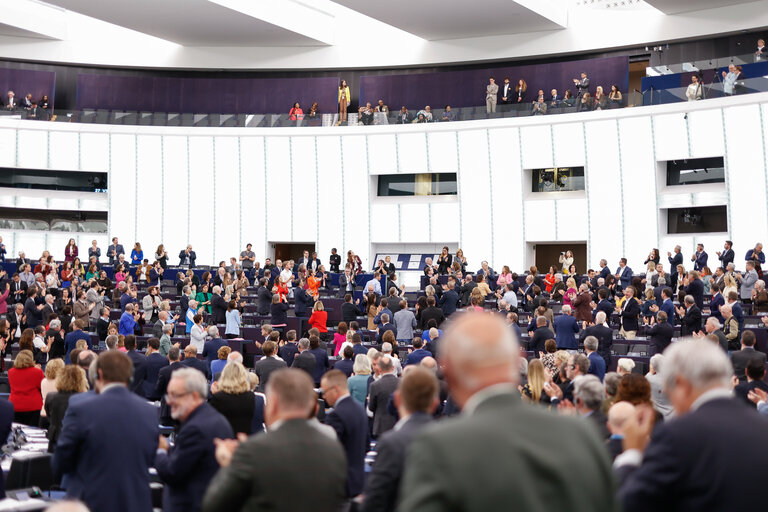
(48, 385)
(729, 285)
(461, 260)
(319, 317)
(233, 397)
(358, 382)
(566, 260)
(25, 380)
(70, 380)
(571, 291)
(533, 391)
(505, 277)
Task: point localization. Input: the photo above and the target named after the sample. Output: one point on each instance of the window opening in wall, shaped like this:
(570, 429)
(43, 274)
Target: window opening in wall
(557, 179)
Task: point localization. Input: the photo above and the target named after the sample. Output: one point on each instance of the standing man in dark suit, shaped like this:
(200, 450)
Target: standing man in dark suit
(138, 361)
(742, 358)
(114, 251)
(674, 261)
(350, 422)
(481, 366)
(191, 361)
(715, 302)
(582, 85)
(689, 464)
(727, 255)
(628, 313)
(18, 293)
(190, 465)
(588, 398)
(263, 297)
(218, 306)
(378, 396)
(699, 258)
(306, 359)
(187, 257)
(416, 400)
(418, 353)
(660, 334)
(111, 433)
(302, 300)
(261, 473)
(604, 335)
(33, 311)
(623, 274)
(430, 312)
(386, 325)
(212, 346)
(267, 364)
(690, 317)
(163, 378)
(349, 310)
(694, 287)
(149, 372)
(449, 302)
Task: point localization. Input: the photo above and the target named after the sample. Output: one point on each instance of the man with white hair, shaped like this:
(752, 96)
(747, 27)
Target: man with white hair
(218, 306)
(618, 415)
(386, 348)
(690, 317)
(481, 366)
(566, 328)
(712, 330)
(658, 394)
(604, 335)
(588, 397)
(596, 362)
(696, 462)
(189, 467)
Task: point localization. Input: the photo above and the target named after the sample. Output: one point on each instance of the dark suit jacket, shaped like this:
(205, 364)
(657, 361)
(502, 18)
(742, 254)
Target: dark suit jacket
(449, 302)
(191, 465)
(350, 422)
(102, 328)
(263, 300)
(321, 363)
(13, 298)
(383, 481)
(726, 257)
(378, 395)
(696, 290)
(11, 317)
(604, 337)
(112, 433)
(211, 349)
(540, 336)
(264, 367)
(138, 360)
(437, 475)
(429, 313)
(674, 261)
(6, 419)
(690, 465)
(661, 336)
(350, 312)
(163, 378)
(192, 258)
(305, 361)
(219, 309)
(714, 306)
(345, 365)
(629, 312)
(741, 359)
(389, 326)
(149, 373)
(302, 301)
(262, 475)
(197, 364)
(691, 322)
(288, 352)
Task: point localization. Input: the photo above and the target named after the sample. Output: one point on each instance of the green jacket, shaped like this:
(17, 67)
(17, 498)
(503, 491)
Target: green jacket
(204, 297)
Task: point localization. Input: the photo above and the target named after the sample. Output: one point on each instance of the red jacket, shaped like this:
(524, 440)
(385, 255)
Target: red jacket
(25, 388)
(319, 319)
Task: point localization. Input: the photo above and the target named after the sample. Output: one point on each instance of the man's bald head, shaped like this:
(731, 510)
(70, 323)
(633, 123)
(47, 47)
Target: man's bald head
(618, 415)
(429, 363)
(480, 351)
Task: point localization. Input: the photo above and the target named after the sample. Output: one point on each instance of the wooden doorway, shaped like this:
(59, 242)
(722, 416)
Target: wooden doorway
(291, 251)
(548, 254)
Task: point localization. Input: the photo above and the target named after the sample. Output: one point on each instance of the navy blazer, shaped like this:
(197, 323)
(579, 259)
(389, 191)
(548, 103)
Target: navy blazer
(674, 261)
(604, 272)
(416, 356)
(345, 365)
(6, 419)
(389, 326)
(449, 302)
(138, 360)
(604, 337)
(191, 464)
(690, 465)
(566, 327)
(626, 278)
(726, 257)
(149, 373)
(197, 364)
(211, 350)
(714, 306)
(192, 258)
(350, 422)
(696, 290)
(112, 433)
(302, 301)
(596, 365)
(288, 352)
(321, 363)
(669, 309)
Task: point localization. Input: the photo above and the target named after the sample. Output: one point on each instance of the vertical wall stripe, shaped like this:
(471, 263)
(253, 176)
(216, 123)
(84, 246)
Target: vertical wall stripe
(162, 188)
(655, 178)
(48, 148)
(317, 200)
(399, 210)
(762, 141)
(239, 193)
(429, 205)
(17, 149)
(79, 153)
(688, 133)
(621, 192)
(290, 180)
(266, 195)
(522, 188)
(109, 182)
(587, 187)
(554, 164)
(189, 194)
(397, 152)
(458, 186)
(136, 187)
(491, 190)
(213, 231)
(727, 170)
(370, 199)
(343, 198)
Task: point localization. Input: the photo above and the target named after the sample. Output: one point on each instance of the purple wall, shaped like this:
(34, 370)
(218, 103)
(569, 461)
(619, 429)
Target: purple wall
(205, 95)
(22, 81)
(467, 88)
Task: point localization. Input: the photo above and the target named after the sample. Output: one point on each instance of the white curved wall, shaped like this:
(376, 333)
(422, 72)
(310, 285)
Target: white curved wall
(220, 188)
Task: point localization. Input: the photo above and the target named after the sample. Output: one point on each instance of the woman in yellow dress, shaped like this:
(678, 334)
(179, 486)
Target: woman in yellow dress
(344, 99)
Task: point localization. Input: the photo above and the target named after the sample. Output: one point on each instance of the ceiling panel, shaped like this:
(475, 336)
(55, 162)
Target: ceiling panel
(677, 6)
(188, 22)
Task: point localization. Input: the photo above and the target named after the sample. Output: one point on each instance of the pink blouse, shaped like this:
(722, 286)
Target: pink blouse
(504, 279)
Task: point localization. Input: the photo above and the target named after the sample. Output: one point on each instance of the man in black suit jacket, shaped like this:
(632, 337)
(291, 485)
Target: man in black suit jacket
(218, 306)
(350, 422)
(263, 297)
(267, 364)
(431, 312)
(690, 317)
(747, 354)
(138, 360)
(114, 251)
(289, 350)
(306, 359)
(302, 301)
(190, 465)
(102, 324)
(149, 372)
(604, 335)
(449, 302)
(466, 289)
(695, 288)
(385, 326)
(674, 261)
(378, 396)
(628, 313)
(261, 473)
(212, 346)
(416, 400)
(18, 322)
(689, 464)
(660, 334)
(541, 335)
(163, 378)
(727, 255)
(187, 257)
(191, 361)
(349, 310)
(588, 397)
(18, 291)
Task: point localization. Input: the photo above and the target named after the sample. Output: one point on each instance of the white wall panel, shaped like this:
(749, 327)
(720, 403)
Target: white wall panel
(64, 153)
(122, 186)
(415, 223)
(671, 136)
(227, 228)
(149, 215)
(569, 145)
(507, 199)
(7, 147)
(94, 154)
(412, 152)
(706, 133)
(445, 223)
(356, 196)
(332, 209)
(475, 189)
(537, 147)
(571, 219)
(35, 149)
(280, 205)
(540, 220)
(175, 192)
(384, 150)
(201, 199)
(442, 151)
(305, 194)
(253, 216)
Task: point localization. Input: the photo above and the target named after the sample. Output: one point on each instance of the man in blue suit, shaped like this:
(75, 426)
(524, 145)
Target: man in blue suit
(71, 339)
(418, 353)
(689, 465)
(138, 360)
(674, 261)
(604, 270)
(302, 300)
(191, 361)
(114, 251)
(107, 443)
(623, 274)
(212, 346)
(716, 301)
(449, 302)
(699, 258)
(189, 467)
(350, 422)
(596, 362)
(149, 372)
(566, 327)
(666, 306)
